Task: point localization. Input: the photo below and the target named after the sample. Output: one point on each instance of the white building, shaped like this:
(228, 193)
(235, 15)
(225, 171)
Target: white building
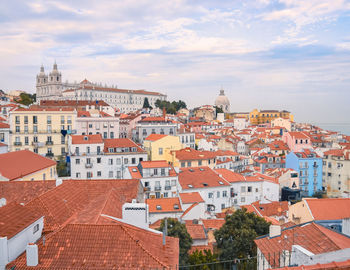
(240, 123)
(248, 189)
(153, 125)
(214, 189)
(5, 134)
(158, 178)
(97, 122)
(16, 233)
(51, 87)
(188, 139)
(92, 157)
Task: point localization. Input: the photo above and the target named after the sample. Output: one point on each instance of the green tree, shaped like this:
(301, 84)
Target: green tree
(170, 107)
(62, 167)
(26, 99)
(176, 229)
(199, 257)
(235, 239)
(146, 104)
(218, 110)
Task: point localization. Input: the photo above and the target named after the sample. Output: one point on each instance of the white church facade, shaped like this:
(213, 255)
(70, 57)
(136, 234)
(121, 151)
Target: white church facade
(51, 87)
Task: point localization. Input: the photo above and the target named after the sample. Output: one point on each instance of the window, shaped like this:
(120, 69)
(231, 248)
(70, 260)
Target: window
(90, 125)
(110, 174)
(243, 199)
(160, 150)
(110, 161)
(49, 119)
(18, 129)
(183, 164)
(17, 120)
(98, 160)
(69, 119)
(35, 129)
(25, 119)
(165, 194)
(44, 176)
(126, 160)
(155, 171)
(112, 135)
(224, 193)
(88, 149)
(63, 150)
(35, 119)
(49, 129)
(222, 206)
(63, 140)
(77, 161)
(26, 140)
(35, 139)
(218, 194)
(242, 189)
(250, 189)
(105, 135)
(189, 164)
(199, 163)
(118, 174)
(153, 131)
(89, 175)
(210, 195)
(118, 161)
(88, 161)
(62, 119)
(36, 228)
(162, 171)
(173, 182)
(296, 141)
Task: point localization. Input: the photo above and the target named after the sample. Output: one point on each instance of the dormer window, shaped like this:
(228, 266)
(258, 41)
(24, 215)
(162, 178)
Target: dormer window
(85, 138)
(176, 206)
(158, 207)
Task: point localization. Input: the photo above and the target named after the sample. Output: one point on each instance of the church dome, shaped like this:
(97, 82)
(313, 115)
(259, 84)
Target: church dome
(223, 102)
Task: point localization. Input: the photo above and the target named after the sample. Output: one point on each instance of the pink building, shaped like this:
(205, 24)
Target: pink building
(297, 141)
(128, 123)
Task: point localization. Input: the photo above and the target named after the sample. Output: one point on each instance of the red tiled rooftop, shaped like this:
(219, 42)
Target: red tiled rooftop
(15, 218)
(215, 224)
(4, 125)
(155, 137)
(201, 177)
(196, 231)
(87, 139)
(191, 197)
(117, 246)
(120, 143)
(14, 165)
(153, 119)
(329, 209)
(154, 164)
(298, 135)
(165, 205)
(324, 266)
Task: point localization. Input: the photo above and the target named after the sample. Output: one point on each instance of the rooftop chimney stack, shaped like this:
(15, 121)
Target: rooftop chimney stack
(32, 255)
(274, 230)
(165, 231)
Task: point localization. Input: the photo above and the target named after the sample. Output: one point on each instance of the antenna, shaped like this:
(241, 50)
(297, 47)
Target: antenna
(165, 231)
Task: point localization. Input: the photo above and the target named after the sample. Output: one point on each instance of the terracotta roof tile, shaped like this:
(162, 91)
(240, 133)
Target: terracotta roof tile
(155, 137)
(15, 218)
(117, 246)
(201, 177)
(215, 224)
(14, 165)
(164, 205)
(120, 143)
(87, 139)
(4, 125)
(330, 208)
(324, 266)
(191, 197)
(154, 164)
(196, 231)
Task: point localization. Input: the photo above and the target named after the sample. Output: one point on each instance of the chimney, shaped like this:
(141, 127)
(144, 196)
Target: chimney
(274, 230)
(164, 112)
(59, 181)
(165, 231)
(32, 254)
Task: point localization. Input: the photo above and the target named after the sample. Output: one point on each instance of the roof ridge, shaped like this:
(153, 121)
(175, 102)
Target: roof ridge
(330, 238)
(141, 246)
(104, 205)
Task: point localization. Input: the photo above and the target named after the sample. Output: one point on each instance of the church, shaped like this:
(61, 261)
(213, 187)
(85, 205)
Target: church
(223, 102)
(51, 87)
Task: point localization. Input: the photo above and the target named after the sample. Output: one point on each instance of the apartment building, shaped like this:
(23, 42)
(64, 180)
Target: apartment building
(93, 157)
(42, 130)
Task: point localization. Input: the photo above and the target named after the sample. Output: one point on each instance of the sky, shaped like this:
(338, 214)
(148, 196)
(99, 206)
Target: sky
(265, 54)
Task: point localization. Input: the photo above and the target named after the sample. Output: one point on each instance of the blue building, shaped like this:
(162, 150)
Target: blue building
(309, 166)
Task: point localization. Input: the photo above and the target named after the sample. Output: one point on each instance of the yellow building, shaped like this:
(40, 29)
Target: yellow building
(26, 166)
(40, 130)
(159, 146)
(189, 157)
(266, 116)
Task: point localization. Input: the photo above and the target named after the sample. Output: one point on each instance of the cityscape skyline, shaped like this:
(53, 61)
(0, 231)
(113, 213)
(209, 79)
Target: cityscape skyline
(265, 54)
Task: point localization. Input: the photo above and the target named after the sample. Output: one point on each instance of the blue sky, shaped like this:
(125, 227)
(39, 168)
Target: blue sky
(283, 54)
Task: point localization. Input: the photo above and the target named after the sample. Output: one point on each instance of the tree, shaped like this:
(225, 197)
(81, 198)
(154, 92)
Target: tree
(176, 229)
(235, 239)
(199, 257)
(26, 99)
(218, 110)
(170, 107)
(146, 104)
(62, 167)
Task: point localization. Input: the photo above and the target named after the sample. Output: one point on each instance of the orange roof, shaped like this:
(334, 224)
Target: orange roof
(155, 137)
(164, 205)
(153, 119)
(71, 103)
(15, 218)
(192, 154)
(4, 125)
(213, 223)
(191, 197)
(324, 266)
(329, 209)
(83, 201)
(200, 177)
(120, 143)
(87, 139)
(154, 164)
(298, 134)
(230, 176)
(134, 172)
(117, 246)
(84, 114)
(309, 236)
(15, 165)
(24, 191)
(196, 231)
(268, 209)
(201, 248)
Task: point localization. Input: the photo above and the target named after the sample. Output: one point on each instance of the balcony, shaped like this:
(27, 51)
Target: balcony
(167, 187)
(49, 142)
(88, 165)
(315, 166)
(50, 155)
(17, 143)
(158, 188)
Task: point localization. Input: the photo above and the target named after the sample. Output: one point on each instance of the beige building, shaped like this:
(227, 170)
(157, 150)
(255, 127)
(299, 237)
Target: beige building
(160, 146)
(282, 122)
(336, 172)
(42, 130)
(26, 166)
